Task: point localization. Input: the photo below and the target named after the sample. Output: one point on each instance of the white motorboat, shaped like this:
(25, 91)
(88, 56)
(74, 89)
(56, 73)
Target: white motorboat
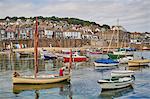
(125, 59)
(75, 58)
(123, 53)
(107, 84)
(47, 55)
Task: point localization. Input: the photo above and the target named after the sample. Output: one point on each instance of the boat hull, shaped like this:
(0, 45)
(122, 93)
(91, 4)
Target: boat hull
(105, 65)
(113, 56)
(31, 80)
(114, 85)
(79, 59)
(121, 73)
(123, 53)
(138, 63)
(49, 57)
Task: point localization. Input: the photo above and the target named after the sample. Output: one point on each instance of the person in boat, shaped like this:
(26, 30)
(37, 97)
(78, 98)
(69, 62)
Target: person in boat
(61, 70)
(16, 74)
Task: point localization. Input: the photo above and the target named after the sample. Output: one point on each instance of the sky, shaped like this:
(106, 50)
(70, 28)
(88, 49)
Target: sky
(133, 15)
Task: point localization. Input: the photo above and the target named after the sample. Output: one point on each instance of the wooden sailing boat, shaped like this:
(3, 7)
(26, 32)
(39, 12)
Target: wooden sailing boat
(119, 53)
(39, 79)
(139, 62)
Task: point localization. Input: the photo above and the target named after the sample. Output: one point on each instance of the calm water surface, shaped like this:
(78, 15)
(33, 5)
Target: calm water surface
(83, 80)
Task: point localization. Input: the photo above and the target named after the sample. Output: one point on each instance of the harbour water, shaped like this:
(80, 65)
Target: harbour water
(83, 83)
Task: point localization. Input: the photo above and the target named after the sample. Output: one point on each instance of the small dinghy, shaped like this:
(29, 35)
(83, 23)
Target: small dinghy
(125, 59)
(47, 55)
(108, 84)
(75, 58)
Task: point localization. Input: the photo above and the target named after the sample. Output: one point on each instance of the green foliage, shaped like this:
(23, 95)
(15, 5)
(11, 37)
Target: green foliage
(14, 18)
(74, 21)
(22, 18)
(107, 27)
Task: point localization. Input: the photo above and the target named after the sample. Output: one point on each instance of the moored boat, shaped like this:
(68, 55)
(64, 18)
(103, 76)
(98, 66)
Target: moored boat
(125, 59)
(128, 49)
(139, 62)
(67, 51)
(105, 62)
(23, 54)
(107, 84)
(47, 55)
(113, 56)
(75, 58)
(95, 51)
(43, 79)
(123, 53)
(146, 48)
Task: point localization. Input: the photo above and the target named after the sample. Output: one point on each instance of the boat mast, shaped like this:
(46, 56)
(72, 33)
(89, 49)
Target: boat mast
(112, 36)
(117, 27)
(70, 61)
(36, 37)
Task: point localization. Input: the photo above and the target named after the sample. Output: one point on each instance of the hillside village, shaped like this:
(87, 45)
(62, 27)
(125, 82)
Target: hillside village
(67, 32)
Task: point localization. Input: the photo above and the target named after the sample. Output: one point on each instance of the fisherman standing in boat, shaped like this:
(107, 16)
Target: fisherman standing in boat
(61, 71)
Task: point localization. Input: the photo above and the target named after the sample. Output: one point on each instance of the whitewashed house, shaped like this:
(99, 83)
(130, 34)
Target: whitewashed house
(72, 35)
(23, 34)
(10, 35)
(49, 33)
(58, 34)
(29, 32)
(2, 34)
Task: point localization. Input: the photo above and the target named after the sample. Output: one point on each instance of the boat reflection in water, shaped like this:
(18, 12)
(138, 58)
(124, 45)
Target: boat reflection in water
(116, 93)
(137, 68)
(18, 88)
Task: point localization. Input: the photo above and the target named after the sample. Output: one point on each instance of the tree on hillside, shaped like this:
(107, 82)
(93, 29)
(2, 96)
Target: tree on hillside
(107, 27)
(14, 18)
(22, 18)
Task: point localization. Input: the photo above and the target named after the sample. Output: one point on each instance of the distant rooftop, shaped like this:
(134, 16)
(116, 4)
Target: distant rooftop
(119, 27)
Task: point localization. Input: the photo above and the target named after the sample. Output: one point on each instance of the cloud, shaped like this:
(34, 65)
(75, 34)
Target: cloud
(133, 14)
